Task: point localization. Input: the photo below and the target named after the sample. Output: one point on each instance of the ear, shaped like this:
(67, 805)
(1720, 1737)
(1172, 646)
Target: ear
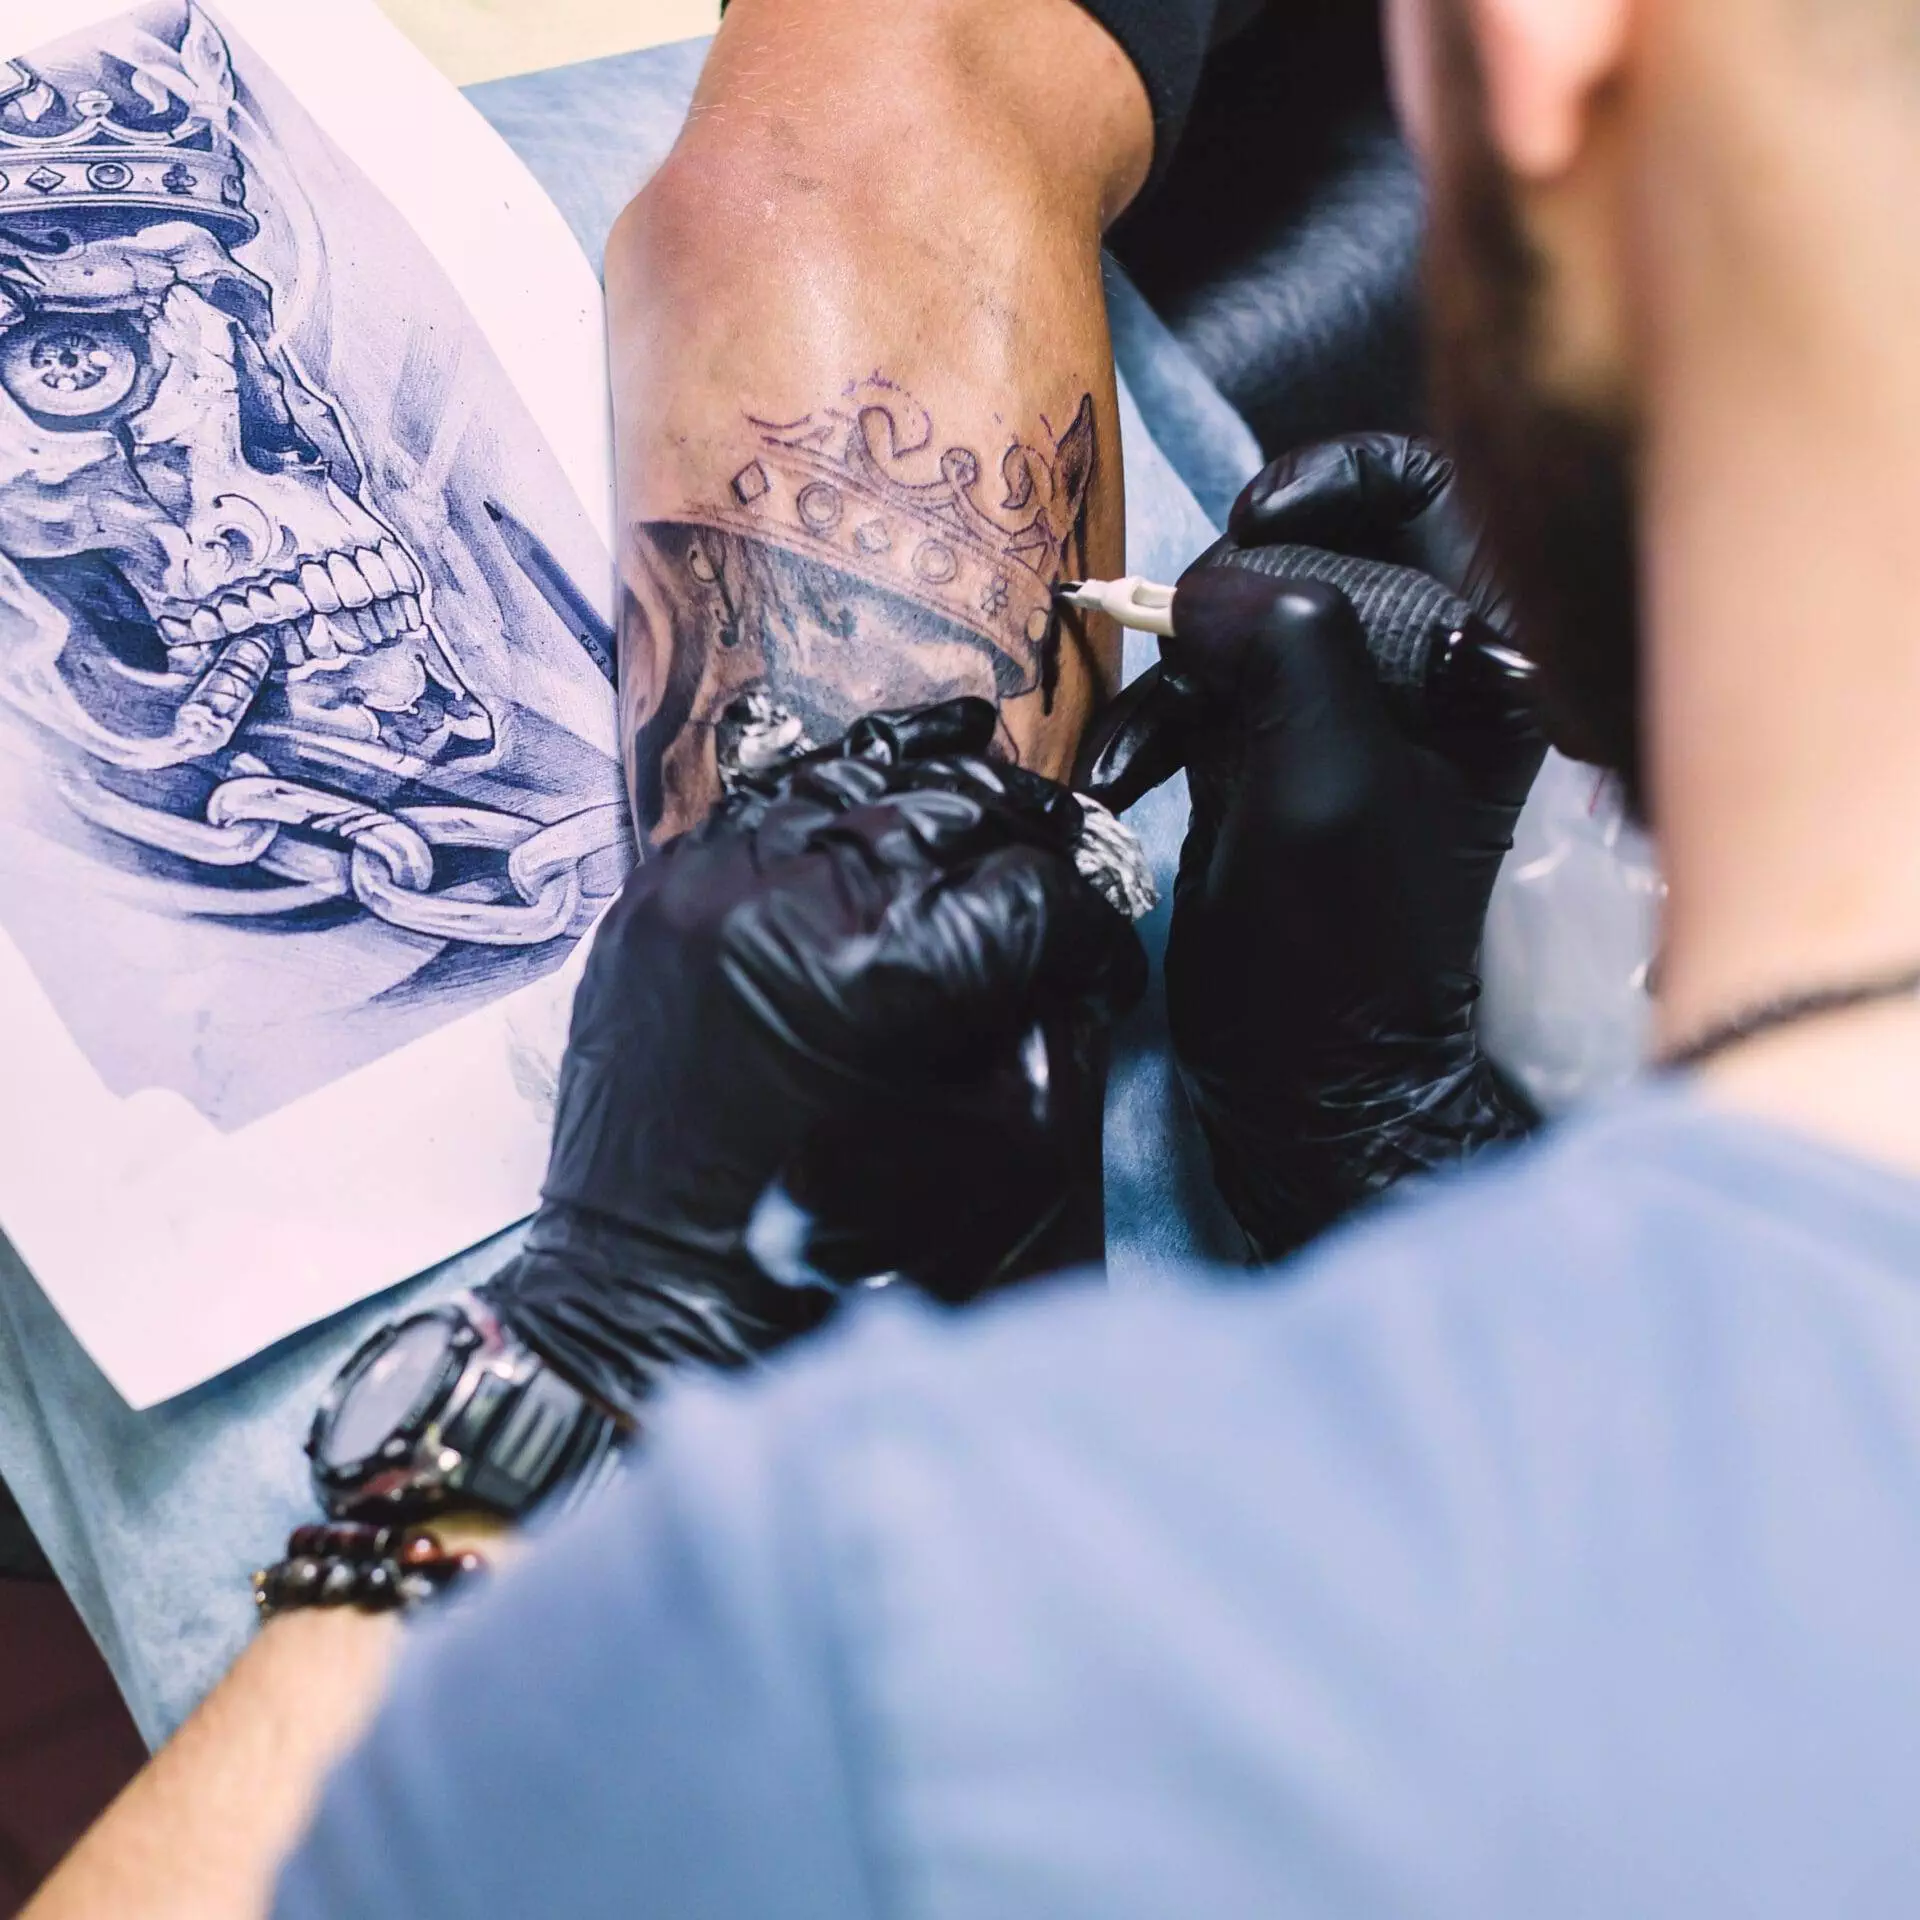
(1543, 60)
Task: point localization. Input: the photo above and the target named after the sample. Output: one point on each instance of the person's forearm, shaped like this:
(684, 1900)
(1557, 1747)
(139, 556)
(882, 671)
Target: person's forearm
(200, 1833)
(863, 384)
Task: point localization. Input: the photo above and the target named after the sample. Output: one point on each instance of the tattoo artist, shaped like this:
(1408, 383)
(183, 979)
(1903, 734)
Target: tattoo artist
(848, 1024)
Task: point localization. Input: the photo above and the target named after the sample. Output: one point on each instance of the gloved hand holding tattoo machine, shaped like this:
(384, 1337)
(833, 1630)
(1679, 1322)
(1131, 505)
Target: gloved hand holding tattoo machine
(1336, 679)
(847, 1028)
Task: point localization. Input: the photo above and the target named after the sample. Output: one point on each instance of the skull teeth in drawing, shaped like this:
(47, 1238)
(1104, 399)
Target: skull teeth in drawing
(189, 505)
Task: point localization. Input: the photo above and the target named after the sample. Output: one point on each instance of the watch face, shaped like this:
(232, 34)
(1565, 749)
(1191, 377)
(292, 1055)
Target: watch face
(395, 1385)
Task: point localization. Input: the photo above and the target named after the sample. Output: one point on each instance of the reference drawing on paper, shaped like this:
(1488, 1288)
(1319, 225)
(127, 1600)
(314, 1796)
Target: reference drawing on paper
(306, 742)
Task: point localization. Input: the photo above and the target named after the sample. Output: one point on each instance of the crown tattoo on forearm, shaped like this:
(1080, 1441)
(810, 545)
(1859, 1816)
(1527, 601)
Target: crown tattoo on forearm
(838, 486)
(850, 562)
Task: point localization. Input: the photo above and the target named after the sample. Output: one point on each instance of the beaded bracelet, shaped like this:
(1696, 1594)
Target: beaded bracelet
(376, 1569)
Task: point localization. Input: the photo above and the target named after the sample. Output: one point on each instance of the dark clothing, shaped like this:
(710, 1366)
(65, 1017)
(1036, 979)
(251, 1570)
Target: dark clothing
(1167, 40)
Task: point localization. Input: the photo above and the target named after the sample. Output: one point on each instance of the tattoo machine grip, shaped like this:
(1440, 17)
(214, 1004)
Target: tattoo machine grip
(1408, 616)
(1140, 740)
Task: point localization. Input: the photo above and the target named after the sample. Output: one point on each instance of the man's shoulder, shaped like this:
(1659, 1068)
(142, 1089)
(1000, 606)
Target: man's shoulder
(1600, 1244)
(1427, 1496)
(1588, 1196)
(1588, 1324)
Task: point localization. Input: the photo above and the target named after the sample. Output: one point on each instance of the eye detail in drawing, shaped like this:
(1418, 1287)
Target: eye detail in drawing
(301, 669)
(851, 562)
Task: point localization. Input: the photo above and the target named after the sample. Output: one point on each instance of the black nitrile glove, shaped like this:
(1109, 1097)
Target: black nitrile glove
(1354, 795)
(849, 1027)
(1380, 497)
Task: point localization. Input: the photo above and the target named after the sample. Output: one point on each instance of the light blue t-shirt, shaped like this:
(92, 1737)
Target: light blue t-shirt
(1546, 1546)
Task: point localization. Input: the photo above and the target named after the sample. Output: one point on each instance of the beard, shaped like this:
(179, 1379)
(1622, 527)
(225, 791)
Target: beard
(1552, 479)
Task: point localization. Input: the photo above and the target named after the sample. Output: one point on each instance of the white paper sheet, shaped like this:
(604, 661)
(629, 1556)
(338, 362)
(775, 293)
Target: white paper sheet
(283, 995)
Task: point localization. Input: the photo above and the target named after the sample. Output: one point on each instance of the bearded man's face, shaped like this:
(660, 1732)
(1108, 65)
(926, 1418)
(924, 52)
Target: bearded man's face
(1552, 475)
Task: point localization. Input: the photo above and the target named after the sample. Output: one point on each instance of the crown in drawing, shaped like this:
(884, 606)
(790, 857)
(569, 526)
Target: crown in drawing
(846, 487)
(130, 150)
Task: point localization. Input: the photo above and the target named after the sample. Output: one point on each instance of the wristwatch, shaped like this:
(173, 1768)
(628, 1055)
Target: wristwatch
(449, 1406)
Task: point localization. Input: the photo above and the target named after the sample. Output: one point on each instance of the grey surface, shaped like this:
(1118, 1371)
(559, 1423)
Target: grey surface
(154, 1519)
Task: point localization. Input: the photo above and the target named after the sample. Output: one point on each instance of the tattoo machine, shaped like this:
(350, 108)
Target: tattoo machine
(1413, 626)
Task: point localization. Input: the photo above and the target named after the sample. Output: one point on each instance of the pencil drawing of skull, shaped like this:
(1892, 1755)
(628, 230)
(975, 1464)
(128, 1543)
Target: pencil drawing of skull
(174, 488)
(265, 603)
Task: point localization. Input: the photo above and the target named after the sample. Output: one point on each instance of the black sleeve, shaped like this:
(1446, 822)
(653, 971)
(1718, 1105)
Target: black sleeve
(1166, 40)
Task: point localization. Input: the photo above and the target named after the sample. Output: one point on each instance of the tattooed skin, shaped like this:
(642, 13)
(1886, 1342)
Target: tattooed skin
(850, 563)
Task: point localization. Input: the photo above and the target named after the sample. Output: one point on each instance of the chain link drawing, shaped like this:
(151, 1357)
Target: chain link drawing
(331, 847)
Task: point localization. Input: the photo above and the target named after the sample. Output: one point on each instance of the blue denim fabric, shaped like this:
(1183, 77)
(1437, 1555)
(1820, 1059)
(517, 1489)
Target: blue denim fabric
(154, 1519)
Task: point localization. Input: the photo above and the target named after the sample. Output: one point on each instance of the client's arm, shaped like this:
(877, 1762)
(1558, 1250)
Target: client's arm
(863, 385)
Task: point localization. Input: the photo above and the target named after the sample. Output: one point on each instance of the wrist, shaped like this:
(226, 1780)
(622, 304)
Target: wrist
(614, 1308)
(449, 1407)
(347, 1567)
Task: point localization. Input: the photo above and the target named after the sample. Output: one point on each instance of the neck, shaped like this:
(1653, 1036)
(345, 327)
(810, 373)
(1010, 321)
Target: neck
(1781, 479)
